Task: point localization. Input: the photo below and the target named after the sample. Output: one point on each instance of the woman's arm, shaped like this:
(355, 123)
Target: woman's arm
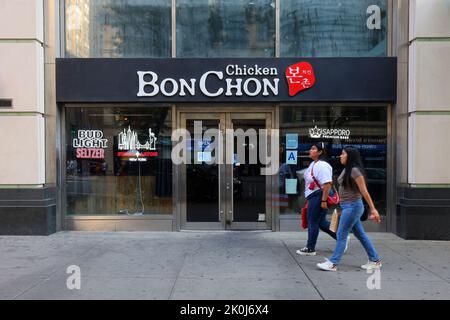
(326, 191)
(374, 215)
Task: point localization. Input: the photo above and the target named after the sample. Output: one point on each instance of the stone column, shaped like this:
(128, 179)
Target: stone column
(424, 194)
(27, 201)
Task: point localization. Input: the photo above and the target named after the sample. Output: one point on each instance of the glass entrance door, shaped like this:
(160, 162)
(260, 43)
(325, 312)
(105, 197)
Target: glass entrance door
(248, 207)
(222, 187)
(203, 198)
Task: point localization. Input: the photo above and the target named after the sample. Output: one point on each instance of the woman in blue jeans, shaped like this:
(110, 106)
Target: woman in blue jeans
(318, 178)
(352, 187)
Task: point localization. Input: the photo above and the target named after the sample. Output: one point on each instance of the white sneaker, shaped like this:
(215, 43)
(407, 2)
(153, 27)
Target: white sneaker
(370, 265)
(346, 244)
(327, 266)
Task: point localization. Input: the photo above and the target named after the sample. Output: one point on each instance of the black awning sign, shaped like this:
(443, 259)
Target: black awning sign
(226, 80)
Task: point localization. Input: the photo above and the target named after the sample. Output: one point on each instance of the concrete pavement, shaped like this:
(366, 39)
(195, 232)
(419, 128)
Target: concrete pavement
(216, 265)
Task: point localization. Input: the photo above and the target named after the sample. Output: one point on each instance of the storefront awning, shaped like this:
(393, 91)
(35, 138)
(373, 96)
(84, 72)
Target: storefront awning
(276, 80)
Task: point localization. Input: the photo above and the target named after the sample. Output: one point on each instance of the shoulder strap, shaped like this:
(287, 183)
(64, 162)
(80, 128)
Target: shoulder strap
(314, 178)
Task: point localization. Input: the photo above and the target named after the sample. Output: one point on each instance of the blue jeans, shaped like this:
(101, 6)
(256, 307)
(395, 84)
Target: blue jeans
(317, 219)
(350, 221)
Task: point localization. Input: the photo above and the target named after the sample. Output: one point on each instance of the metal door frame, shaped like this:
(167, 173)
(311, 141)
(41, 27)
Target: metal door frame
(225, 116)
(267, 117)
(184, 116)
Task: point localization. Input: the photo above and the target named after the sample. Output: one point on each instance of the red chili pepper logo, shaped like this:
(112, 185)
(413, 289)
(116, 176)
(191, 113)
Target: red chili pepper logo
(300, 77)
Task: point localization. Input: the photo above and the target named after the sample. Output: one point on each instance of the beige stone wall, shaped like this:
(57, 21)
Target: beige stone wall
(22, 132)
(429, 92)
(400, 47)
(51, 52)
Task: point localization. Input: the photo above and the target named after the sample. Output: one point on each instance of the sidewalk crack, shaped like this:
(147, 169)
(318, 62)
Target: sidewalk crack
(300, 266)
(179, 272)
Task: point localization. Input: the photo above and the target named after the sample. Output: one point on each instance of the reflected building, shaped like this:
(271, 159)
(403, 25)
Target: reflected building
(226, 28)
(117, 28)
(78, 31)
(331, 28)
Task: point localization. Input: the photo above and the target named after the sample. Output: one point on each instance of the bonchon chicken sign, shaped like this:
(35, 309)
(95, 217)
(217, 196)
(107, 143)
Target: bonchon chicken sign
(236, 80)
(227, 80)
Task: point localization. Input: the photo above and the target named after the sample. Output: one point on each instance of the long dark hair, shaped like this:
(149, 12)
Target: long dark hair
(353, 161)
(321, 147)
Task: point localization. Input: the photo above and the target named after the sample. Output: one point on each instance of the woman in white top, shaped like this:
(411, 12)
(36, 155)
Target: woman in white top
(316, 191)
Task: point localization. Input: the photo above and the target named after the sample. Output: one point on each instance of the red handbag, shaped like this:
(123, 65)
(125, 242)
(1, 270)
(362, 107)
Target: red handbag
(305, 216)
(333, 196)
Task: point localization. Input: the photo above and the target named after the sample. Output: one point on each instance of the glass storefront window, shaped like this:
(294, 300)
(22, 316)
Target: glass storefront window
(118, 161)
(364, 128)
(330, 28)
(221, 28)
(117, 28)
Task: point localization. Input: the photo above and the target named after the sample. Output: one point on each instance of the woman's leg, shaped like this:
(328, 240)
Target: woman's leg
(347, 220)
(324, 224)
(361, 235)
(313, 220)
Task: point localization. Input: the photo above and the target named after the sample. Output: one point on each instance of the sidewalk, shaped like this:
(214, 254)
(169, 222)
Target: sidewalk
(215, 265)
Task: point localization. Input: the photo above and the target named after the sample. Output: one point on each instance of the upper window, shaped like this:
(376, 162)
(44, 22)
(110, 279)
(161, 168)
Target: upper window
(117, 28)
(330, 28)
(223, 28)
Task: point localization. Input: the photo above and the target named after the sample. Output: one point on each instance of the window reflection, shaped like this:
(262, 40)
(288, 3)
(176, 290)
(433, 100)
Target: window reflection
(118, 161)
(330, 28)
(220, 28)
(118, 29)
(364, 128)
